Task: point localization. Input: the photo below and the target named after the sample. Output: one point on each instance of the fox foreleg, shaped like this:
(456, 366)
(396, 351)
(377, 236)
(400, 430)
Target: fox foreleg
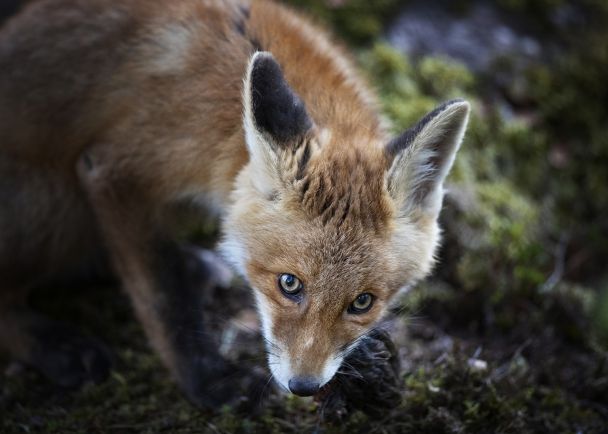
(164, 281)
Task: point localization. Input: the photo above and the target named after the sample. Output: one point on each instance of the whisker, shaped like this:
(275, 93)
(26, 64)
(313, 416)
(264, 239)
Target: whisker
(353, 371)
(263, 392)
(356, 375)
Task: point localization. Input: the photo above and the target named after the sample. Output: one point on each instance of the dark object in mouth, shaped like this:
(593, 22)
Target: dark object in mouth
(368, 381)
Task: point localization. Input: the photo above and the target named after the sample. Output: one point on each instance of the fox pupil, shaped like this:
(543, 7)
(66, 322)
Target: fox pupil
(362, 300)
(362, 303)
(290, 285)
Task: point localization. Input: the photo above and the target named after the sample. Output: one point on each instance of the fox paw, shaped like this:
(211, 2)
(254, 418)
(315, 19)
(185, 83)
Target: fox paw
(69, 359)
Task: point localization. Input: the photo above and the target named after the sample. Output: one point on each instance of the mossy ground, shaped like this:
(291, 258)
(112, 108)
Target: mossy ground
(531, 371)
(510, 335)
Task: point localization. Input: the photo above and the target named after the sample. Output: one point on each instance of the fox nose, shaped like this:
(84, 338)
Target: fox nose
(303, 386)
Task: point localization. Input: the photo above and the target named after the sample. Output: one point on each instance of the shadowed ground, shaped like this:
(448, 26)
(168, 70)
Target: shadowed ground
(536, 376)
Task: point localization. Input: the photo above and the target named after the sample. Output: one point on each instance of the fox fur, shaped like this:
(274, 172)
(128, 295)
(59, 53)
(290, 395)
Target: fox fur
(114, 113)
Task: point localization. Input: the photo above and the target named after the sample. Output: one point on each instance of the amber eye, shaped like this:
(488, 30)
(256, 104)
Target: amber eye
(290, 284)
(362, 303)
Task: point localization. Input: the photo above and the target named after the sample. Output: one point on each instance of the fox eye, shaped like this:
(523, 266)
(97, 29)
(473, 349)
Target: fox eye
(290, 284)
(362, 303)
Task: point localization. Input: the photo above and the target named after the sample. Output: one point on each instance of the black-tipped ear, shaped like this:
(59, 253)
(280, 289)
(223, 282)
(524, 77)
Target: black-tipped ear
(423, 155)
(276, 125)
(276, 109)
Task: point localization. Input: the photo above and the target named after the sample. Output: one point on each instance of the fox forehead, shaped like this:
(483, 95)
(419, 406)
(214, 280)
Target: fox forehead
(333, 226)
(346, 189)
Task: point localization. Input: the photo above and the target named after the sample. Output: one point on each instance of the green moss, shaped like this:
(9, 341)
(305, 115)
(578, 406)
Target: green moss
(600, 314)
(357, 21)
(452, 398)
(444, 78)
(408, 91)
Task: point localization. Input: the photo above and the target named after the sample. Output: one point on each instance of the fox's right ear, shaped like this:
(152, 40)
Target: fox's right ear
(275, 120)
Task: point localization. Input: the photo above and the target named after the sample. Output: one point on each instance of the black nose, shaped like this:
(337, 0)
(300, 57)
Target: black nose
(303, 386)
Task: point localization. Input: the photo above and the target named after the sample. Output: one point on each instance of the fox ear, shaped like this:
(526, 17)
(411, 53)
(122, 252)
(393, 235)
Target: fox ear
(422, 157)
(275, 120)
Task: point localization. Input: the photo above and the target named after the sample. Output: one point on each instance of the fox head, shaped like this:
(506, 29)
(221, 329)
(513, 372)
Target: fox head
(327, 232)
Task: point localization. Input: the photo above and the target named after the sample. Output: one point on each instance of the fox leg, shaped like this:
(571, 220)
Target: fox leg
(165, 281)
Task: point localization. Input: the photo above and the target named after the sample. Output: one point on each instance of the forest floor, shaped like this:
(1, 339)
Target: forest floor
(533, 377)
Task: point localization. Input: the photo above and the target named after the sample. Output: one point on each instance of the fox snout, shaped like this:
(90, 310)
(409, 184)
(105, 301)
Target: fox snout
(302, 379)
(303, 365)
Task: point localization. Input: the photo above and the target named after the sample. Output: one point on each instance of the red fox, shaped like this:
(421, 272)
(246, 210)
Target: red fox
(114, 113)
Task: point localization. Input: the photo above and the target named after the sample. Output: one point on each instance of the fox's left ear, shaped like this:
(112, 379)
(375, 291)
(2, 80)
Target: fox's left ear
(275, 120)
(422, 157)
